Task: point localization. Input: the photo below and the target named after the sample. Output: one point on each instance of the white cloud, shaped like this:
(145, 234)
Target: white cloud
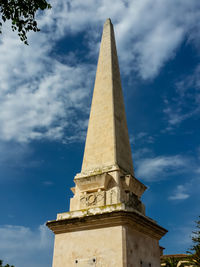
(157, 168)
(180, 193)
(142, 137)
(141, 153)
(186, 103)
(39, 94)
(152, 31)
(22, 246)
(41, 91)
(44, 107)
(149, 30)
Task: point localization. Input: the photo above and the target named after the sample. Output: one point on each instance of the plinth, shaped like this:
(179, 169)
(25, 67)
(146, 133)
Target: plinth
(107, 236)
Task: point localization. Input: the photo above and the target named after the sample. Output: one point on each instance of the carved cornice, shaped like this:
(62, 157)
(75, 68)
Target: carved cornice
(132, 219)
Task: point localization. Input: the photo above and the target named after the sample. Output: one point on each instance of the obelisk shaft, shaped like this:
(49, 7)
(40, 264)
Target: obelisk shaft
(107, 141)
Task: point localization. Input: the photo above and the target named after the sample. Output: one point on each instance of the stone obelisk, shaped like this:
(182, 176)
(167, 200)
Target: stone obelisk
(106, 225)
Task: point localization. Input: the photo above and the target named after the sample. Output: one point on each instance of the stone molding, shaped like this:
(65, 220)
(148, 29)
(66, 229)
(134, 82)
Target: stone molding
(93, 183)
(132, 219)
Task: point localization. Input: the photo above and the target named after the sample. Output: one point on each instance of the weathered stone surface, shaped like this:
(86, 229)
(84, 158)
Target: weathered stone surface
(107, 188)
(107, 175)
(113, 238)
(107, 141)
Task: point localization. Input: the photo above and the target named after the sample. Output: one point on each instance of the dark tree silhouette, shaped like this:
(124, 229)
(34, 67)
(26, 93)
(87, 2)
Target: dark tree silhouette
(7, 265)
(194, 251)
(22, 15)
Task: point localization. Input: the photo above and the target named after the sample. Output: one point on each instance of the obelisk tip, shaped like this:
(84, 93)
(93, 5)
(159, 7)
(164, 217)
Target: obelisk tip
(108, 21)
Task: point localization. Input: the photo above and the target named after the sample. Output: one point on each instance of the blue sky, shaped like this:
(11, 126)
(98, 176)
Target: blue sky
(45, 97)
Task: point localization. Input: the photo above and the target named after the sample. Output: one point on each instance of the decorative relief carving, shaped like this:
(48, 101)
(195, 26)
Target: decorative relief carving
(92, 199)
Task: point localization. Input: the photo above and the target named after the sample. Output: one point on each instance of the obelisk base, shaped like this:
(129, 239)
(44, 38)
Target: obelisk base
(111, 239)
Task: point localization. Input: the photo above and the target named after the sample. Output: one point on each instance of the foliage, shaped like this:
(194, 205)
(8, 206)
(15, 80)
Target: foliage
(195, 256)
(193, 259)
(196, 236)
(174, 262)
(7, 265)
(194, 251)
(171, 262)
(22, 15)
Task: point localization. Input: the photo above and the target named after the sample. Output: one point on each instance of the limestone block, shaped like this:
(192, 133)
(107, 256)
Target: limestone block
(113, 237)
(133, 185)
(93, 183)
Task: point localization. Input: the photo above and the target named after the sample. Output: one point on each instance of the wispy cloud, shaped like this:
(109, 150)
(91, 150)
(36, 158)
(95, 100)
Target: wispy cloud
(186, 103)
(48, 183)
(157, 168)
(43, 108)
(142, 153)
(142, 137)
(22, 246)
(39, 94)
(180, 193)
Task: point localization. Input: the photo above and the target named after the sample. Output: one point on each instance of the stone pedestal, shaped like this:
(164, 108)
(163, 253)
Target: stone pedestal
(109, 236)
